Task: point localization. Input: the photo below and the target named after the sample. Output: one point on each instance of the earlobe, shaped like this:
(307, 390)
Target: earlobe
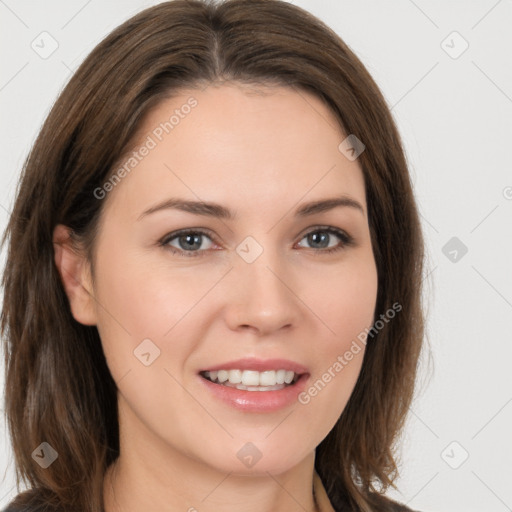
(75, 276)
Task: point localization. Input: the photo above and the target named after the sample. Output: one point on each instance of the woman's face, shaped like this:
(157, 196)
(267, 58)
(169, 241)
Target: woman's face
(258, 277)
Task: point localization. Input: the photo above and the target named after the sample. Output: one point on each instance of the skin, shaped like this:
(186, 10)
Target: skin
(261, 153)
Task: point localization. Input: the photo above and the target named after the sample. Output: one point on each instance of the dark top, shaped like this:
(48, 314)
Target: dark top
(398, 508)
(36, 503)
(12, 508)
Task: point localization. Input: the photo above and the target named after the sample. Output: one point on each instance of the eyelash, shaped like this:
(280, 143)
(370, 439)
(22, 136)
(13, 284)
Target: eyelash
(346, 241)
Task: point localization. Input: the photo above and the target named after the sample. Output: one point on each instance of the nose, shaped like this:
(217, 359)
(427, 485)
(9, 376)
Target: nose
(262, 296)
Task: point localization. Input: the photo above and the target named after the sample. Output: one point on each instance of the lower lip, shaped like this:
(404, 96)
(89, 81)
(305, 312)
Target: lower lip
(257, 401)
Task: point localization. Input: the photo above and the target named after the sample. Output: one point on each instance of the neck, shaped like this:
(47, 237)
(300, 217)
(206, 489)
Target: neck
(151, 475)
(127, 490)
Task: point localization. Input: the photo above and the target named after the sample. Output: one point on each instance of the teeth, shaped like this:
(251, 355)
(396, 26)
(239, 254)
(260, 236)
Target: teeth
(235, 376)
(288, 377)
(255, 388)
(268, 378)
(252, 380)
(222, 375)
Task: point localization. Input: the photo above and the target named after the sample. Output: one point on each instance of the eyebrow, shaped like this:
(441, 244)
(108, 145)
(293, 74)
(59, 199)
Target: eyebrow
(218, 211)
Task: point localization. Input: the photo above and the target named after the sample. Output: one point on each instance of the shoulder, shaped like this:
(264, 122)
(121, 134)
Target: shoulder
(22, 508)
(29, 501)
(18, 508)
(384, 503)
(398, 507)
(14, 508)
(27, 508)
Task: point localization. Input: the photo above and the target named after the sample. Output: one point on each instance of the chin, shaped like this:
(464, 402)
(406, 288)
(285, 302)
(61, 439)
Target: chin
(257, 459)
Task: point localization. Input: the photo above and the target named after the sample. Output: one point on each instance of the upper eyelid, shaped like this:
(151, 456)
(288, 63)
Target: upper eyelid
(205, 231)
(174, 234)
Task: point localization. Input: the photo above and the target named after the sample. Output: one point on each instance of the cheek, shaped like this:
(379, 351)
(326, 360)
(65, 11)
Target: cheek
(346, 305)
(350, 312)
(345, 298)
(140, 299)
(135, 303)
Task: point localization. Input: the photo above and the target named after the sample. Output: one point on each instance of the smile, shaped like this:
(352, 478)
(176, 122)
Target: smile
(252, 380)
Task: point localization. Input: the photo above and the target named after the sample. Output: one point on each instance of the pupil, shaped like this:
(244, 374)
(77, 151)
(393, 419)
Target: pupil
(315, 238)
(194, 242)
(190, 241)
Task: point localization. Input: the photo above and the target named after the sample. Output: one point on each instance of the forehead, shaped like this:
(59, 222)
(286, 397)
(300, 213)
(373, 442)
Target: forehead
(251, 146)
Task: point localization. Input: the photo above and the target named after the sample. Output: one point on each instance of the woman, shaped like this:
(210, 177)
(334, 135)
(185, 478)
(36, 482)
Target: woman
(212, 289)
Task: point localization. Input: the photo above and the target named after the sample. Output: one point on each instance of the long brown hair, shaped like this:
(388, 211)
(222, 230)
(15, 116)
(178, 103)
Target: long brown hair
(58, 387)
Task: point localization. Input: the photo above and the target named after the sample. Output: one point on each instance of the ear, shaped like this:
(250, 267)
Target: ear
(74, 270)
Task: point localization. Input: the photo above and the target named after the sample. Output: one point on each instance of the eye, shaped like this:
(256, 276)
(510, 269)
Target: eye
(187, 242)
(191, 243)
(324, 239)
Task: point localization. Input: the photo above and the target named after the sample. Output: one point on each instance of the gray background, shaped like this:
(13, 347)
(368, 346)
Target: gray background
(454, 111)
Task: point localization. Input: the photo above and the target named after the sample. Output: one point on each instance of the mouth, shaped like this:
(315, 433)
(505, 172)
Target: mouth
(278, 382)
(253, 380)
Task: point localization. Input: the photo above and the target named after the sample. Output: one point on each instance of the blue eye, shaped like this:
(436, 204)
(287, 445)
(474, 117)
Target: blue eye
(321, 239)
(187, 242)
(190, 243)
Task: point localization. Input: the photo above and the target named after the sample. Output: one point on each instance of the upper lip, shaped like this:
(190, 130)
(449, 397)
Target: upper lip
(260, 365)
